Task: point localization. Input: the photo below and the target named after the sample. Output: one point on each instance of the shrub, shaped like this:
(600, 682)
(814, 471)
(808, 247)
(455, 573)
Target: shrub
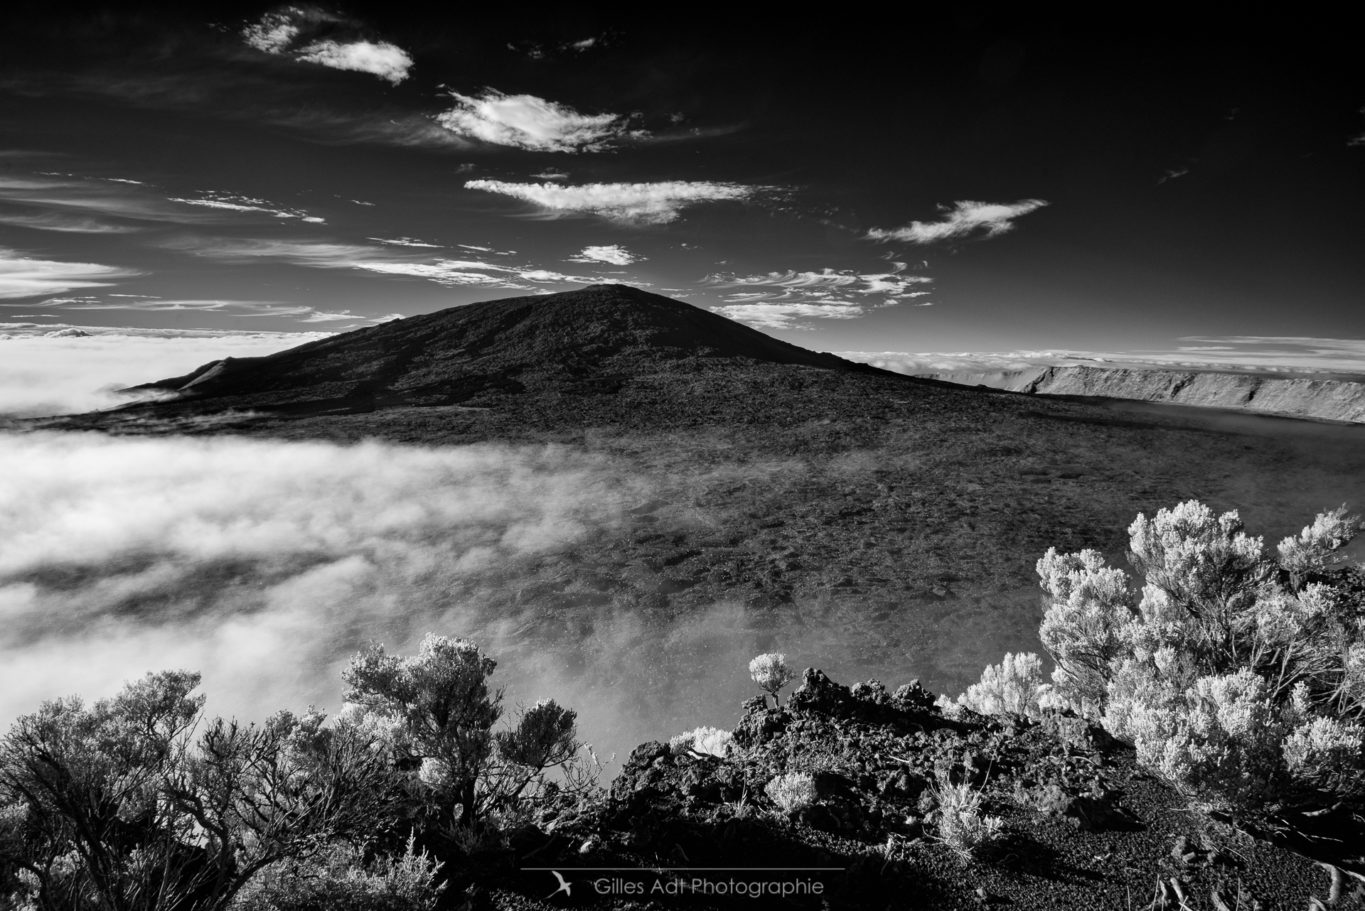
(340, 878)
(961, 824)
(1235, 673)
(704, 740)
(440, 711)
(120, 805)
(771, 673)
(1014, 686)
(791, 792)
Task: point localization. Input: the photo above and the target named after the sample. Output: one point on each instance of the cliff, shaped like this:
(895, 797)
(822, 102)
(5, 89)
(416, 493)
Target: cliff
(1301, 396)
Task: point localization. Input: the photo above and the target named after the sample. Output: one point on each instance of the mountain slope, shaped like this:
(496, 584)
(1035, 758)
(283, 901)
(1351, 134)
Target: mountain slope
(590, 340)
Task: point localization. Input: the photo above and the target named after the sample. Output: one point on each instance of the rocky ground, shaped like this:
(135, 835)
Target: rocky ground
(1083, 826)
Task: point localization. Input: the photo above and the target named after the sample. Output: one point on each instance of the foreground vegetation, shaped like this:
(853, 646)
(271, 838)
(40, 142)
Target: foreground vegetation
(1238, 676)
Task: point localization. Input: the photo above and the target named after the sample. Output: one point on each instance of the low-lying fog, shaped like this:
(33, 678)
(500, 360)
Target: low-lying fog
(265, 565)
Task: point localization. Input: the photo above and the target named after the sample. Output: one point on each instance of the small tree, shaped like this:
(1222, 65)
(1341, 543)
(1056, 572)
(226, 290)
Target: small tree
(119, 807)
(442, 710)
(771, 673)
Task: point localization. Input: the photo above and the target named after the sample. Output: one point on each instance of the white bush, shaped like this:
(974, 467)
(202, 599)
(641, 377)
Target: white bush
(961, 824)
(705, 740)
(1228, 670)
(1014, 686)
(791, 792)
(1314, 548)
(1321, 750)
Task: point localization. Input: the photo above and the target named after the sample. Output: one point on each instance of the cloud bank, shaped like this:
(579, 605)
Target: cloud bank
(65, 370)
(124, 555)
(964, 218)
(532, 123)
(630, 203)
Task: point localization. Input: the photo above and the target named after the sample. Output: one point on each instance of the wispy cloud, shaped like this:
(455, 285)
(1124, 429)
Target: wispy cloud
(792, 299)
(964, 218)
(23, 276)
(272, 33)
(638, 203)
(316, 253)
(1172, 174)
(380, 259)
(468, 272)
(244, 308)
(529, 122)
(232, 202)
(293, 32)
(405, 242)
(768, 315)
(613, 254)
(65, 224)
(85, 205)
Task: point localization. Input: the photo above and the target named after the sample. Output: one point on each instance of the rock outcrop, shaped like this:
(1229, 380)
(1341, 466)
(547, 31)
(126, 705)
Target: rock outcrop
(1080, 824)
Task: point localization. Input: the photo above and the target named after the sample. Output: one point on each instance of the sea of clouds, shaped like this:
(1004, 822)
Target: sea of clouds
(44, 371)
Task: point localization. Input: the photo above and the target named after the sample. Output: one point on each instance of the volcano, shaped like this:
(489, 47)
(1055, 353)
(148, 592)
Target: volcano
(589, 341)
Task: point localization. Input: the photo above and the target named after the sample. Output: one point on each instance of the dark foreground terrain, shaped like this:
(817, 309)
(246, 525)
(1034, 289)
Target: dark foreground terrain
(1083, 826)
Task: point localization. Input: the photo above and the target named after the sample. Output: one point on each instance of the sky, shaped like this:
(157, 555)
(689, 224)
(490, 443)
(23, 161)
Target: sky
(951, 188)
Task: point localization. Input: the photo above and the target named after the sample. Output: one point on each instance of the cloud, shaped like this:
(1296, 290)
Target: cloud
(141, 304)
(272, 33)
(66, 224)
(233, 202)
(766, 315)
(640, 203)
(192, 553)
(528, 122)
(964, 218)
(405, 242)
(790, 299)
(285, 31)
(387, 61)
(23, 276)
(466, 272)
(381, 260)
(63, 369)
(83, 205)
(1172, 174)
(614, 254)
(317, 254)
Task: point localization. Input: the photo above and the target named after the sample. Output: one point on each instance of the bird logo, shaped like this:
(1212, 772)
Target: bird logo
(564, 886)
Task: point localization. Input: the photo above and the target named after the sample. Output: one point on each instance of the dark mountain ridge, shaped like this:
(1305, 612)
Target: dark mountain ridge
(589, 340)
